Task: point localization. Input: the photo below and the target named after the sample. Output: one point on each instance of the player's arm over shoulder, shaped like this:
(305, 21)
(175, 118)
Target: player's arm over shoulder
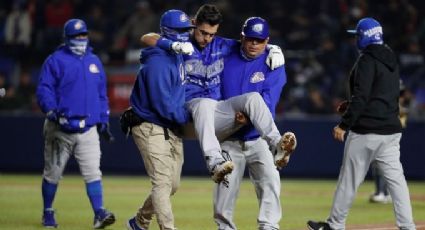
(149, 39)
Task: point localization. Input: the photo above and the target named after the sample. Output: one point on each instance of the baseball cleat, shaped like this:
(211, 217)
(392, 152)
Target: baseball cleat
(380, 198)
(313, 225)
(103, 218)
(132, 225)
(220, 171)
(285, 148)
(48, 219)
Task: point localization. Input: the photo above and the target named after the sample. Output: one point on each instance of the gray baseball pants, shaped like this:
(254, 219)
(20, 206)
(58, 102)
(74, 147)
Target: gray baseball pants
(215, 120)
(257, 157)
(359, 152)
(59, 146)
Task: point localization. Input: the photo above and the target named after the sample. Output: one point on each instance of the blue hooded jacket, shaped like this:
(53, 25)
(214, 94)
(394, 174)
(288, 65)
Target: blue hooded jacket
(158, 95)
(74, 86)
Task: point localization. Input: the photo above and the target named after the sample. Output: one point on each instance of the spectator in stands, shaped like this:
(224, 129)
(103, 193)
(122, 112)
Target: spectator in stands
(6, 102)
(142, 21)
(17, 36)
(100, 30)
(25, 93)
(56, 13)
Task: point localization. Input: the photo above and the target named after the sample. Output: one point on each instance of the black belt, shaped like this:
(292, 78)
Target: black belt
(166, 134)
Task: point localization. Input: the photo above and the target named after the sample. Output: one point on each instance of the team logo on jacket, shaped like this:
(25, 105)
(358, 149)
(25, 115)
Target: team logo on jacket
(257, 77)
(93, 68)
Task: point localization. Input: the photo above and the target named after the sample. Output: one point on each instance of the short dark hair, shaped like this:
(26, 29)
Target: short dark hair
(208, 13)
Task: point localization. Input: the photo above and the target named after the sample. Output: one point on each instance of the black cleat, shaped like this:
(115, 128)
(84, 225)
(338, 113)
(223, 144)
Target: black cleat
(313, 225)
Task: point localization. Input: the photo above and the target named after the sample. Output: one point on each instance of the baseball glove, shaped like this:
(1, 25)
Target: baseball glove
(342, 107)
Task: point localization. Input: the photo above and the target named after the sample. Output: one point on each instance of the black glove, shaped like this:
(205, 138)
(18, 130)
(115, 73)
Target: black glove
(105, 132)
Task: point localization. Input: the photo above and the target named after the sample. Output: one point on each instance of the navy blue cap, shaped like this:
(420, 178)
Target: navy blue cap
(175, 19)
(74, 27)
(255, 27)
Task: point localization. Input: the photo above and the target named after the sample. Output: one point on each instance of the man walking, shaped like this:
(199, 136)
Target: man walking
(72, 93)
(375, 129)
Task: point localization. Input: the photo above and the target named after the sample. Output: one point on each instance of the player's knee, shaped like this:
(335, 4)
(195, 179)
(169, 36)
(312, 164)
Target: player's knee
(174, 188)
(90, 177)
(254, 96)
(205, 103)
(253, 100)
(52, 178)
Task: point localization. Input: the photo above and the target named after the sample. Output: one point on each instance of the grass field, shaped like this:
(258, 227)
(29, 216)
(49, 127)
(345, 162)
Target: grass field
(20, 203)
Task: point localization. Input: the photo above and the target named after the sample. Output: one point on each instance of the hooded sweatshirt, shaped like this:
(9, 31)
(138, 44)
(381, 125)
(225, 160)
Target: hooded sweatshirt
(158, 95)
(374, 92)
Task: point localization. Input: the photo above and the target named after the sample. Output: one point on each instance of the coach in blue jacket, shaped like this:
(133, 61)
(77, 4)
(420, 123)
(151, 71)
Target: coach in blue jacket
(72, 93)
(245, 71)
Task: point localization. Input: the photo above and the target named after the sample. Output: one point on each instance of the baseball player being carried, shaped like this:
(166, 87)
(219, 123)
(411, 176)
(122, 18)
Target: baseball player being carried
(213, 117)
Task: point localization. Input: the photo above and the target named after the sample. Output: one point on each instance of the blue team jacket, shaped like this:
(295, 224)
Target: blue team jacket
(158, 95)
(204, 67)
(242, 76)
(74, 86)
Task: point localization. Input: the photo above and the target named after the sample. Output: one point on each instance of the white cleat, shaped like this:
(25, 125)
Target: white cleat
(380, 198)
(285, 148)
(220, 171)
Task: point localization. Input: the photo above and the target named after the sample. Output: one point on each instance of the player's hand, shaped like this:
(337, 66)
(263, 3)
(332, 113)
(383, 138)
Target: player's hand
(342, 107)
(275, 59)
(338, 133)
(105, 132)
(182, 47)
(240, 118)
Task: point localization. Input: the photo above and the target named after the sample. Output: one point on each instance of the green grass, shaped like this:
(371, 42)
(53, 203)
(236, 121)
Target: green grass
(20, 203)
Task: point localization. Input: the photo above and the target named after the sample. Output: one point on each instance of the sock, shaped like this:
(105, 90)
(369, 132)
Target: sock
(48, 191)
(94, 192)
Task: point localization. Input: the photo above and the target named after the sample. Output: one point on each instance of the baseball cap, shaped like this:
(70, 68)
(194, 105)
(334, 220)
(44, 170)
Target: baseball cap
(255, 27)
(175, 19)
(74, 27)
(367, 27)
(369, 31)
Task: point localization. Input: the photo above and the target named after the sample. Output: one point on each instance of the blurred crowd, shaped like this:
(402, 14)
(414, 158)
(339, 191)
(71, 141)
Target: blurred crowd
(318, 52)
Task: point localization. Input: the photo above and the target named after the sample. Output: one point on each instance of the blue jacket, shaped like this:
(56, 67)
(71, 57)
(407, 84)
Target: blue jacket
(74, 86)
(158, 95)
(204, 67)
(241, 75)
